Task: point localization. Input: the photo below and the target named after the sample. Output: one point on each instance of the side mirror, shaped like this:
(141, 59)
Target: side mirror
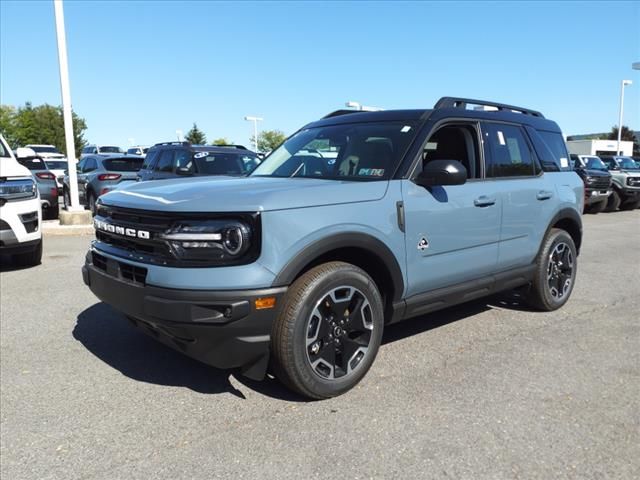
(442, 172)
(24, 152)
(183, 171)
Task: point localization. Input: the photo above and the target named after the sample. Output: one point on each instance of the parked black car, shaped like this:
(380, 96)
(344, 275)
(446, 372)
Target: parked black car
(597, 181)
(173, 159)
(99, 174)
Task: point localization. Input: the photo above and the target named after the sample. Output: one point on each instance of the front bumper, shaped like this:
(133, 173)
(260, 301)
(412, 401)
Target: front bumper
(592, 195)
(220, 328)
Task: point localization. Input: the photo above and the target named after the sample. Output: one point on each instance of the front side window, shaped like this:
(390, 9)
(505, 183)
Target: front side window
(165, 162)
(355, 151)
(454, 142)
(508, 152)
(149, 159)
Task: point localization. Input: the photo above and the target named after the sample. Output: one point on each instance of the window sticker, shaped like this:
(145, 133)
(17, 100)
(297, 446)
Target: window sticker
(371, 172)
(201, 154)
(405, 129)
(564, 163)
(501, 138)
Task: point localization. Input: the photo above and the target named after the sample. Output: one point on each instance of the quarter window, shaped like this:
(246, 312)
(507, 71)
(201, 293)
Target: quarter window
(509, 154)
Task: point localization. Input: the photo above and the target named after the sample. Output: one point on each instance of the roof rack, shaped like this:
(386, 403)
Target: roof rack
(337, 113)
(239, 147)
(454, 102)
(171, 143)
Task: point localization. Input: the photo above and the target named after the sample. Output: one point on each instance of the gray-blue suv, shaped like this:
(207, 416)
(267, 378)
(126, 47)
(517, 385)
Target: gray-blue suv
(357, 221)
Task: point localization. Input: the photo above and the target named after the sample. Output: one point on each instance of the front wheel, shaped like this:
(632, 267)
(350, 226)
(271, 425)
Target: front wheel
(328, 332)
(555, 274)
(613, 202)
(32, 258)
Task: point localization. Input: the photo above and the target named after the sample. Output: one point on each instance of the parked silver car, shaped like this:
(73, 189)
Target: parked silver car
(46, 183)
(99, 174)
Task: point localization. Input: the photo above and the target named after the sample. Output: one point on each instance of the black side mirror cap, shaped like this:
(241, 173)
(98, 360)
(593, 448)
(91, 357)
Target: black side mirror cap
(442, 172)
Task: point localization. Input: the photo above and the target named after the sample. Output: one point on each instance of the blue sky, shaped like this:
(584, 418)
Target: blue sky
(143, 69)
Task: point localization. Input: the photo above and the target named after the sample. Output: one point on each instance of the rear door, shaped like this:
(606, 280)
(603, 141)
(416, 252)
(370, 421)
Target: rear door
(451, 232)
(528, 196)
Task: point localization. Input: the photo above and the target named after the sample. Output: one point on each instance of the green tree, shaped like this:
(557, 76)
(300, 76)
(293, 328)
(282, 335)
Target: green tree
(221, 141)
(269, 140)
(196, 136)
(625, 135)
(41, 124)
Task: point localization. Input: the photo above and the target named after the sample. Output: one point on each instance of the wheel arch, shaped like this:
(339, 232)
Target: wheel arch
(570, 221)
(360, 249)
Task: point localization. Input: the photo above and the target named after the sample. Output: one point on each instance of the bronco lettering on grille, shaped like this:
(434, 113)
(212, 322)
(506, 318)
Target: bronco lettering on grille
(119, 230)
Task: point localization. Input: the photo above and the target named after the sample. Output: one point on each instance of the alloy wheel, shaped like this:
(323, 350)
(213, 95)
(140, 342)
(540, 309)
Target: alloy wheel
(560, 271)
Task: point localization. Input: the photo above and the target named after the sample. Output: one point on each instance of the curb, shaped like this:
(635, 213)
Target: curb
(54, 229)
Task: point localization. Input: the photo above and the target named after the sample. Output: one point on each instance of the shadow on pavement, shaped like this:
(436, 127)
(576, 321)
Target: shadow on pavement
(109, 336)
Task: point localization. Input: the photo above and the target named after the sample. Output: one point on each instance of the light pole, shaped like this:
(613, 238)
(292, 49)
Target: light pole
(360, 107)
(255, 121)
(66, 106)
(624, 83)
(180, 135)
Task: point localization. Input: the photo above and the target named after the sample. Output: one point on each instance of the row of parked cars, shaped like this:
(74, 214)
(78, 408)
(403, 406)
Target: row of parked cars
(105, 168)
(610, 182)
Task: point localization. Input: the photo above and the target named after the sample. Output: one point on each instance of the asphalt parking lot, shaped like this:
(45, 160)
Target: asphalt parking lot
(485, 390)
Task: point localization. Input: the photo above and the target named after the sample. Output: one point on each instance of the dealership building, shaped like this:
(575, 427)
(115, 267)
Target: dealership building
(599, 147)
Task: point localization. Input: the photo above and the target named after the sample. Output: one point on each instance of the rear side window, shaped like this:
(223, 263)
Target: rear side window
(34, 164)
(90, 165)
(122, 164)
(555, 143)
(509, 154)
(165, 162)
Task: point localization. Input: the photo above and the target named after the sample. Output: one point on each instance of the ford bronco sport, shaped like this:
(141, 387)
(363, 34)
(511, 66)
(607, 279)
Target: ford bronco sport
(358, 220)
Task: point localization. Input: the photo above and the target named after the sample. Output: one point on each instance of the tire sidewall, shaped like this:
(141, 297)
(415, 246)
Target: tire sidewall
(556, 237)
(346, 275)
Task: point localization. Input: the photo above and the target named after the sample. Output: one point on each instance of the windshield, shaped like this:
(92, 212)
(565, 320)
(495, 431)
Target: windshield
(44, 149)
(627, 163)
(128, 164)
(594, 163)
(223, 163)
(110, 150)
(56, 164)
(365, 151)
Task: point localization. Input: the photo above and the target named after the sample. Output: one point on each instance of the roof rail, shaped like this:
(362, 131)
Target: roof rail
(239, 147)
(337, 113)
(171, 143)
(454, 102)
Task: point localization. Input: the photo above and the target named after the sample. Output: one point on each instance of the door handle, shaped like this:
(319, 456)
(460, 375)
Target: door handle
(484, 201)
(544, 195)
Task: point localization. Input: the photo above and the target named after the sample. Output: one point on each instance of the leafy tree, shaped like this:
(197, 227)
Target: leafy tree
(626, 135)
(269, 139)
(195, 136)
(41, 124)
(221, 141)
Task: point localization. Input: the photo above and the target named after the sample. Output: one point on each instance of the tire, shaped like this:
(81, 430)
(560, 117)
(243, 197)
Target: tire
(596, 207)
(91, 203)
(53, 213)
(556, 265)
(66, 199)
(314, 326)
(632, 205)
(613, 203)
(30, 259)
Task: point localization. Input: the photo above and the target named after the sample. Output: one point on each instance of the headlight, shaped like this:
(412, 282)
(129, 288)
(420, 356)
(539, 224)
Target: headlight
(589, 179)
(225, 241)
(18, 190)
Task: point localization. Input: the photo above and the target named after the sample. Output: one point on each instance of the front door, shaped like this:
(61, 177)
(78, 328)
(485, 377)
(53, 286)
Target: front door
(451, 232)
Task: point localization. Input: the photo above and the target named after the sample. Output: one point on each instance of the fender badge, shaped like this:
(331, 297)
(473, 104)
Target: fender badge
(423, 244)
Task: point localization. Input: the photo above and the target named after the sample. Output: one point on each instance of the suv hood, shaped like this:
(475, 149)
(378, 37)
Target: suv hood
(245, 194)
(11, 168)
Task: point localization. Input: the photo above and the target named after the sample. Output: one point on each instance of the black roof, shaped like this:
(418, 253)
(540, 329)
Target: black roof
(445, 107)
(206, 148)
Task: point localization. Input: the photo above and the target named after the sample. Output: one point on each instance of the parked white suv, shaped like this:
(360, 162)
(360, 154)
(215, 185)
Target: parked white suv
(20, 210)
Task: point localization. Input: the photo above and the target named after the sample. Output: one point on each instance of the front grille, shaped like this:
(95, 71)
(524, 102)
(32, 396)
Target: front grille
(123, 271)
(600, 183)
(30, 221)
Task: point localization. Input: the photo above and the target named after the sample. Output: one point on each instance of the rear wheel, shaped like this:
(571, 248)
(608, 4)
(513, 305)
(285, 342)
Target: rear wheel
(632, 205)
(556, 268)
(613, 203)
(91, 200)
(328, 332)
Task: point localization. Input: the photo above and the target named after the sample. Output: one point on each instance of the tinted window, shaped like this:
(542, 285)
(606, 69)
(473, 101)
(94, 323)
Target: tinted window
(109, 149)
(364, 151)
(165, 162)
(454, 142)
(56, 164)
(558, 148)
(90, 165)
(127, 164)
(183, 158)
(34, 164)
(45, 149)
(509, 152)
(148, 161)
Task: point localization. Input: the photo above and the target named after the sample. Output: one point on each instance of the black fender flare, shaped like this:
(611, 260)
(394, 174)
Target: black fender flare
(363, 241)
(566, 214)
